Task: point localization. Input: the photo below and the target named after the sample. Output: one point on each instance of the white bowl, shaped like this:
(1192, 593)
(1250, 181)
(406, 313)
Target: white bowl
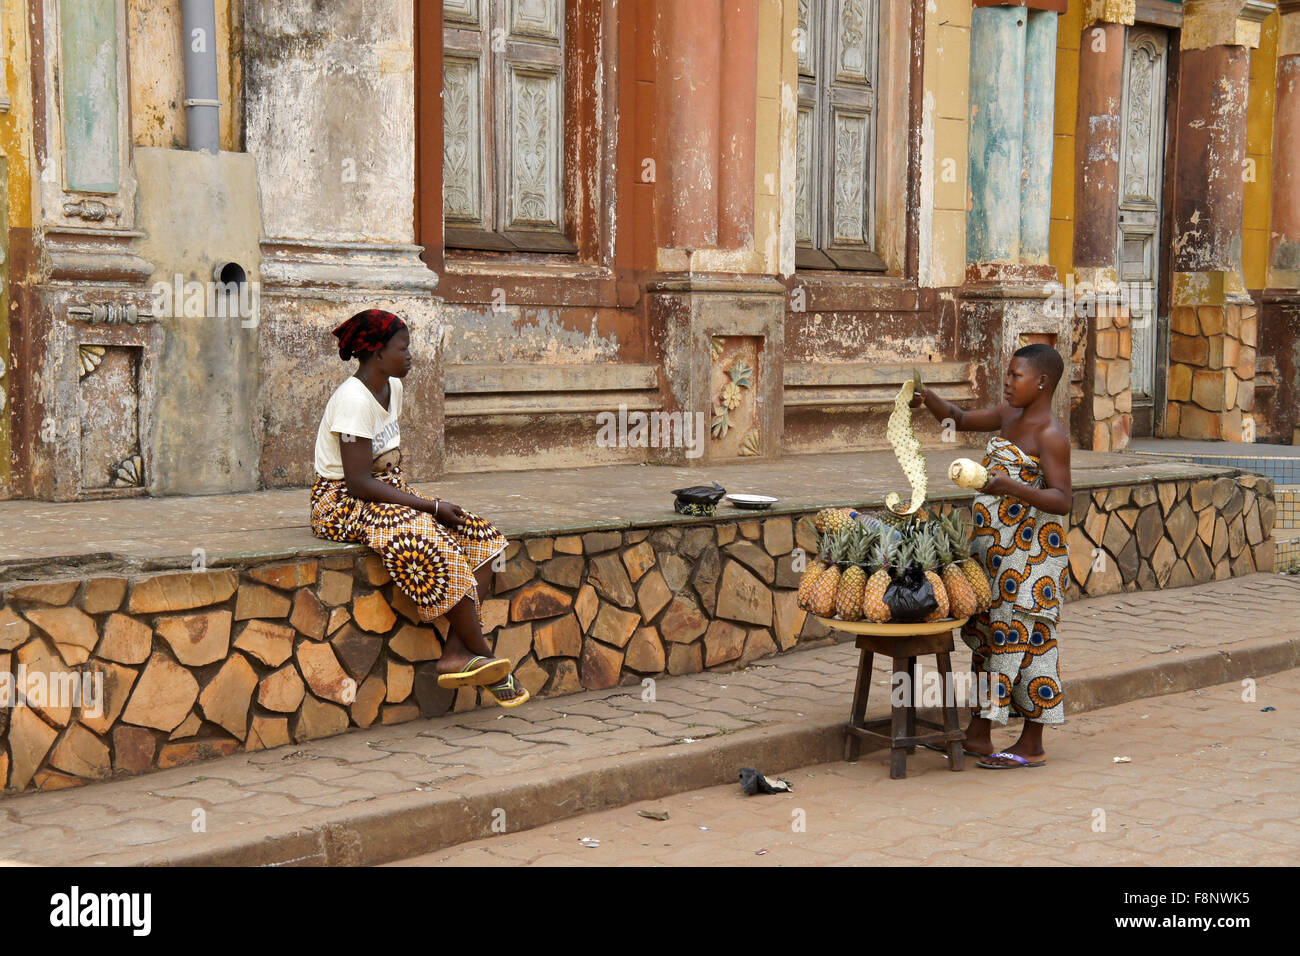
(753, 502)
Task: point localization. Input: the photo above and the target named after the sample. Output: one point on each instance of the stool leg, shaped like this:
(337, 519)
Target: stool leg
(912, 700)
(898, 705)
(852, 745)
(950, 722)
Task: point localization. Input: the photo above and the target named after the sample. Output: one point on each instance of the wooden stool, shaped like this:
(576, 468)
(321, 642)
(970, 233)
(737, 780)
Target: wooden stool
(903, 643)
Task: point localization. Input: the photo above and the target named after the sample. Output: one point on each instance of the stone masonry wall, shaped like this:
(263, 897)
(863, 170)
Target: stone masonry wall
(200, 663)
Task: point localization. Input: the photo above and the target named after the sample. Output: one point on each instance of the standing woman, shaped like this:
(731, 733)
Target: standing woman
(436, 553)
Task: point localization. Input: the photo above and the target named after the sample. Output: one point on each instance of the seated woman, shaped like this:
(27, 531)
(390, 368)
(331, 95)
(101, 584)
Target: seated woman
(436, 553)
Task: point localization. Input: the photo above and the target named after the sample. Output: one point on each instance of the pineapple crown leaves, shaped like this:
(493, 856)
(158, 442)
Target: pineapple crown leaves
(924, 549)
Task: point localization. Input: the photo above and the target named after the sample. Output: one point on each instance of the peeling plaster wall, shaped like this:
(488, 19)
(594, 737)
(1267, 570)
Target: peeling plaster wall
(1259, 150)
(158, 73)
(16, 217)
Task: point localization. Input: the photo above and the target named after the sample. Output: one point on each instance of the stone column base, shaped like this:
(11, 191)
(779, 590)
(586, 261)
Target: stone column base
(721, 346)
(1212, 372)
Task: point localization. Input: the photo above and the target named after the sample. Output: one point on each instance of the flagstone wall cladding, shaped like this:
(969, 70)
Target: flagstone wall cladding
(197, 664)
(1211, 372)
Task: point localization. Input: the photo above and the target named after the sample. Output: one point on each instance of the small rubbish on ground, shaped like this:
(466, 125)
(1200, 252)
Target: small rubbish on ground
(706, 828)
(752, 782)
(761, 853)
(1123, 759)
(1265, 710)
(588, 842)
(653, 814)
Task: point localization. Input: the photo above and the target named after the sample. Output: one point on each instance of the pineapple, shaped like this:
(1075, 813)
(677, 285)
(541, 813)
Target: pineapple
(874, 608)
(837, 519)
(853, 582)
(962, 601)
(822, 600)
(960, 533)
(927, 557)
(819, 564)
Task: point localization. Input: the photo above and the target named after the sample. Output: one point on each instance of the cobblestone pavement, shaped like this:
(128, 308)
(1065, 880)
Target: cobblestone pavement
(273, 522)
(152, 817)
(1210, 780)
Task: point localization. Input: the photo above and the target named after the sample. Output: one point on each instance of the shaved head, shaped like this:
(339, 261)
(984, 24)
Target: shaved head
(1044, 359)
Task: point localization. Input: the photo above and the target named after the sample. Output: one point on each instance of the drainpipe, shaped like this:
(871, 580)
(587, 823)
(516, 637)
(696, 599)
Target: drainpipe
(199, 43)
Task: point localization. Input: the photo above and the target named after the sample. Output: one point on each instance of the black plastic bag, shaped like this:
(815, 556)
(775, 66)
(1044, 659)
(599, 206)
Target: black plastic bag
(910, 597)
(752, 782)
(698, 499)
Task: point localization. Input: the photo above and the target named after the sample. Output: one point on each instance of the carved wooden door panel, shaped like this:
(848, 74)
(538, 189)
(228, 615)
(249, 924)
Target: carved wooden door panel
(1141, 176)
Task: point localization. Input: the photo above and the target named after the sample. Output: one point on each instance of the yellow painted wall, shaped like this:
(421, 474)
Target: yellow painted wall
(16, 149)
(1060, 251)
(1259, 147)
(774, 125)
(945, 121)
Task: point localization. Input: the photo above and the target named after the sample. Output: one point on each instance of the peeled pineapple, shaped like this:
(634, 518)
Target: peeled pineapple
(907, 449)
(968, 473)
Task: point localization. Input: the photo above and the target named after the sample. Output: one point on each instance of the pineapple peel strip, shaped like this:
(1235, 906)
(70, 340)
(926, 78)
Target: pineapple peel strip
(907, 449)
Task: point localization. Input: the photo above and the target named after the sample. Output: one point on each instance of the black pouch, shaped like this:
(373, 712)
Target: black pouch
(698, 499)
(910, 597)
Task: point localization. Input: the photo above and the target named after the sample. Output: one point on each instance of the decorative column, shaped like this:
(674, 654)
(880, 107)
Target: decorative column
(1011, 296)
(716, 322)
(1213, 320)
(335, 154)
(1103, 419)
(1279, 327)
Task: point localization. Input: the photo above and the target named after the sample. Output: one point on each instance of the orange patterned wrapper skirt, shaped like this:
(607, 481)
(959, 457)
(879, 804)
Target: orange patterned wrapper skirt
(432, 564)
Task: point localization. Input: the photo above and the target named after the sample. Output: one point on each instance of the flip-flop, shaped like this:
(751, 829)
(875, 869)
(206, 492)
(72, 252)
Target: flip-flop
(509, 685)
(1017, 761)
(479, 671)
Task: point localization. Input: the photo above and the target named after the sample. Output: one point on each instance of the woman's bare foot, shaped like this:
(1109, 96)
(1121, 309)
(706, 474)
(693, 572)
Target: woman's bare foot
(979, 736)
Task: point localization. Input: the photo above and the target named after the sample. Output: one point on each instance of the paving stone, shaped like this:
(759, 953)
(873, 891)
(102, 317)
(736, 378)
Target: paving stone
(14, 631)
(723, 642)
(370, 570)
(705, 578)
(599, 666)
(133, 749)
(565, 571)
(177, 754)
(539, 600)
(163, 695)
(586, 606)
(372, 613)
(103, 594)
(180, 592)
(287, 576)
(652, 595)
(400, 680)
(197, 639)
(685, 658)
(561, 637)
(413, 643)
(335, 588)
(265, 733)
(564, 678)
(71, 629)
(267, 641)
(682, 622)
(613, 626)
(568, 544)
(258, 600)
(645, 652)
(54, 593)
(357, 650)
(370, 695)
(117, 683)
(321, 670)
(30, 739)
(316, 718)
(309, 616)
(788, 618)
(743, 597)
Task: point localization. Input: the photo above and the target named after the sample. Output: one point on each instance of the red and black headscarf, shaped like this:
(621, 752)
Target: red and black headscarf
(367, 332)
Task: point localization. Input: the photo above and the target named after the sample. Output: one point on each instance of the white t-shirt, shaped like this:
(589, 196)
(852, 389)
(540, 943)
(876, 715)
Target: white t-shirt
(354, 410)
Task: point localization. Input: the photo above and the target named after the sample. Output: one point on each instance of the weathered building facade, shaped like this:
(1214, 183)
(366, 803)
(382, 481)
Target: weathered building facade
(744, 220)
